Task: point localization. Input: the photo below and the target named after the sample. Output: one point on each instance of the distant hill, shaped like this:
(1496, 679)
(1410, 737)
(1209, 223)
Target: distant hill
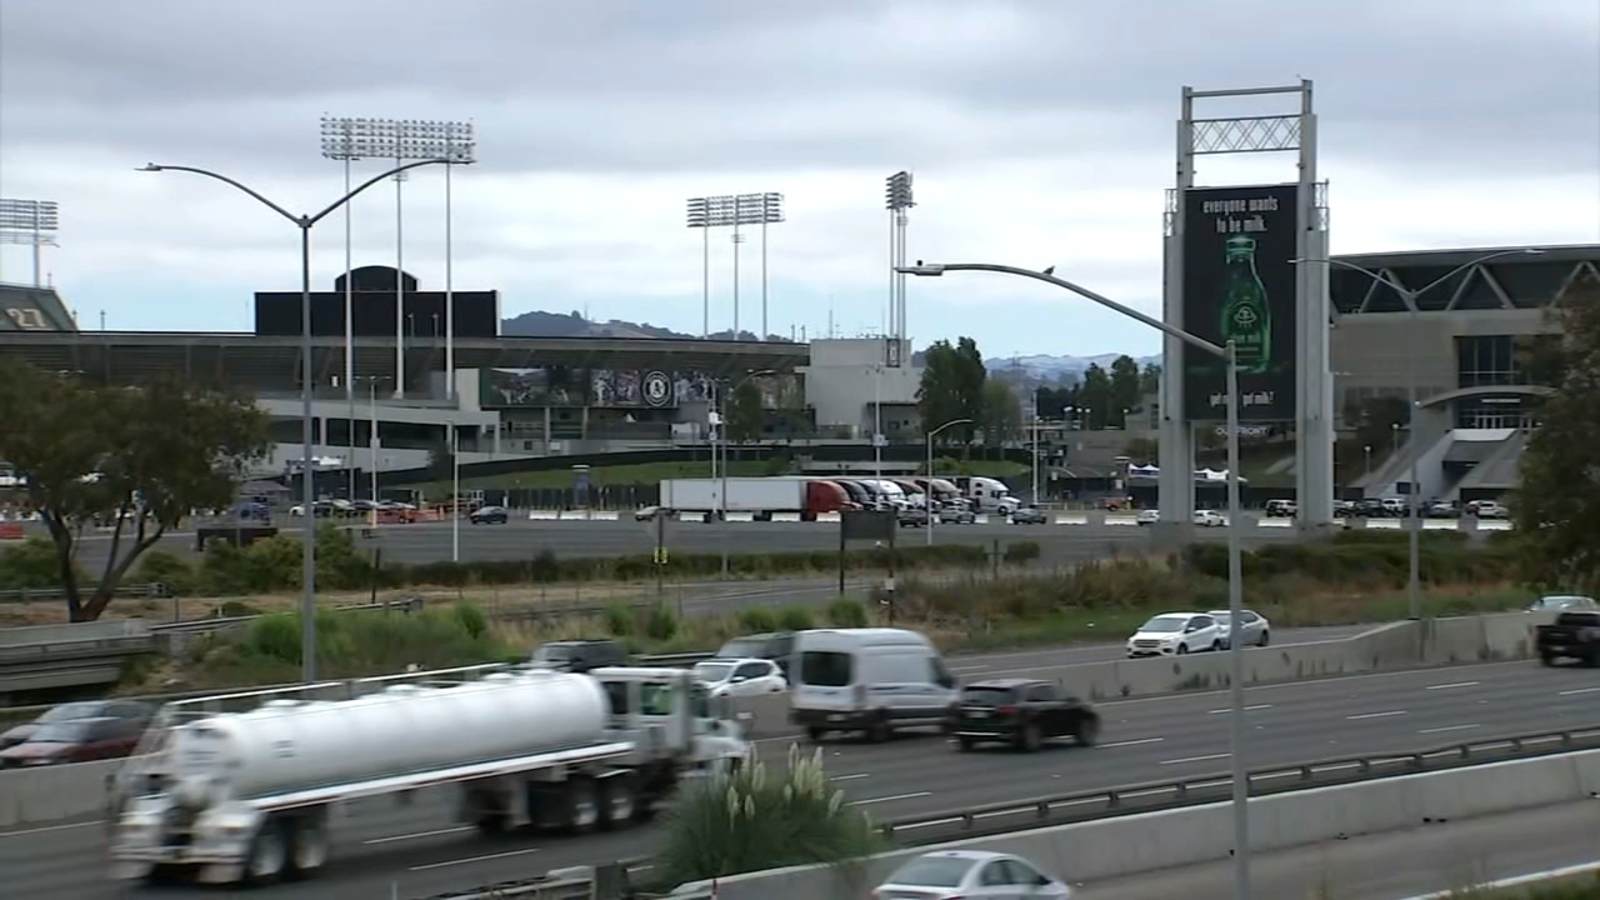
(573, 324)
(1043, 367)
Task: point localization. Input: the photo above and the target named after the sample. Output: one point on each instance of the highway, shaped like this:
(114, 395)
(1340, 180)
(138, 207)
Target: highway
(1393, 866)
(522, 539)
(417, 849)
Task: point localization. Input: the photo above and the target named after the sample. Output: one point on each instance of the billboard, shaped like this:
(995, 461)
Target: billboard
(1239, 285)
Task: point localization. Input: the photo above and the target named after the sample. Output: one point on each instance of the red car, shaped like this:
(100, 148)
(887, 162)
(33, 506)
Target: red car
(76, 740)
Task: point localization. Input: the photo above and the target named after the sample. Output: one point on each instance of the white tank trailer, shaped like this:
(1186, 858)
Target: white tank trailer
(246, 796)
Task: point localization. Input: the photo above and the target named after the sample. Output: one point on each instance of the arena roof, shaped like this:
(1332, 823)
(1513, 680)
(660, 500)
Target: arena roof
(1507, 282)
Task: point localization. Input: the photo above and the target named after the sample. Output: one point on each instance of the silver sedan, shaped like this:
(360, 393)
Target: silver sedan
(1254, 629)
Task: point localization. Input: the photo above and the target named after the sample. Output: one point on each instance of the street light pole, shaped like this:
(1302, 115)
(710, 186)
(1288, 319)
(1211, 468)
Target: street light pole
(308, 538)
(928, 494)
(1240, 775)
(722, 435)
(1413, 505)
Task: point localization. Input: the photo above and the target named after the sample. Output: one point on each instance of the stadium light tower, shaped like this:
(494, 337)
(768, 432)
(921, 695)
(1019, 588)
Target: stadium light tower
(898, 200)
(399, 140)
(32, 223)
(735, 211)
(308, 544)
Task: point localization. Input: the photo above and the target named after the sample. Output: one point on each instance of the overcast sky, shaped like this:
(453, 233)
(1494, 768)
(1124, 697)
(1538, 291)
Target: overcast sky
(1040, 132)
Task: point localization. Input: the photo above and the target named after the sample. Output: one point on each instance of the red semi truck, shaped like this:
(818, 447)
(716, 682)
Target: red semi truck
(761, 497)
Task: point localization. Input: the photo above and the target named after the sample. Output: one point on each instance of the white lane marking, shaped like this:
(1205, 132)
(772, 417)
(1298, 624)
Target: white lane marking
(848, 777)
(474, 859)
(49, 828)
(892, 798)
(1192, 759)
(1455, 684)
(1377, 715)
(1448, 728)
(1330, 682)
(1589, 690)
(418, 835)
(1220, 712)
(1154, 740)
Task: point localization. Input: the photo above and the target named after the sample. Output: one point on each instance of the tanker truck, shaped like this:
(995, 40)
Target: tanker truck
(245, 796)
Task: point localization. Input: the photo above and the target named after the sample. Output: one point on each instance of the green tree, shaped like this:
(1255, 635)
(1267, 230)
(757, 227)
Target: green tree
(1142, 450)
(1002, 414)
(1150, 379)
(1126, 389)
(952, 388)
(1375, 418)
(1095, 398)
(745, 412)
(1556, 506)
(139, 458)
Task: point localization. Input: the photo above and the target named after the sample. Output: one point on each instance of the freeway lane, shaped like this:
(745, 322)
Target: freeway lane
(1143, 740)
(522, 539)
(1393, 866)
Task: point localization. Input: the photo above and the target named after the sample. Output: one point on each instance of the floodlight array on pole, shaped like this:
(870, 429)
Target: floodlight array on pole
(898, 199)
(735, 211)
(399, 140)
(32, 223)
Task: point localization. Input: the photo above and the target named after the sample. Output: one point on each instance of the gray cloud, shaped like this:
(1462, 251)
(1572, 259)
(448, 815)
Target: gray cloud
(641, 85)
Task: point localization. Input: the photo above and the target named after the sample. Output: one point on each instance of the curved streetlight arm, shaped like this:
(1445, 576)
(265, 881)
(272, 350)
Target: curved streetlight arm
(936, 269)
(947, 425)
(152, 167)
(312, 220)
(1409, 295)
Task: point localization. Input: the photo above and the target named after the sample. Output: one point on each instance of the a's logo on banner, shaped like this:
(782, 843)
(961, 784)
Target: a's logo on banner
(657, 389)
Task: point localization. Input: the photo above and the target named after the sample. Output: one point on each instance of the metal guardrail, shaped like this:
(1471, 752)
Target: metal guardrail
(1131, 799)
(558, 885)
(219, 623)
(152, 591)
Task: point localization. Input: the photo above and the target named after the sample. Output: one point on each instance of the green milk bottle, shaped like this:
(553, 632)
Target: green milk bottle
(1245, 319)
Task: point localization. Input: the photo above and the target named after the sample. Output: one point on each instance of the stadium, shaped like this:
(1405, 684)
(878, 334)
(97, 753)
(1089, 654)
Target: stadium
(532, 397)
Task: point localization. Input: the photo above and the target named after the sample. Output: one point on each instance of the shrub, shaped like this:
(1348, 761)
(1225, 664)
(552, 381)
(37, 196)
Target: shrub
(351, 644)
(1022, 551)
(750, 820)
(163, 567)
(795, 618)
(758, 619)
(660, 624)
(843, 613)
(619, 619)
(33, 564)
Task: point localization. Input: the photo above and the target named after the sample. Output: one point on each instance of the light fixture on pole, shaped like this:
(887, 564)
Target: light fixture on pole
(928, 494)
(308, 606)
(722, 433)
(32, 223)
(735, 211)
(401, 140)
(1236, 725)
(455, 493)
(898, 199)
(1408, 297)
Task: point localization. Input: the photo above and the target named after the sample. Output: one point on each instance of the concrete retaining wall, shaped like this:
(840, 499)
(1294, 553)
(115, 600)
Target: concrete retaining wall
(1092, 851)
(52, 794)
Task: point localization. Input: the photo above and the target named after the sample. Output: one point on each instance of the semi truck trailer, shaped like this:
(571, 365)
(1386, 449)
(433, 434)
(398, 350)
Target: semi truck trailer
(761, 497)
(249, 796)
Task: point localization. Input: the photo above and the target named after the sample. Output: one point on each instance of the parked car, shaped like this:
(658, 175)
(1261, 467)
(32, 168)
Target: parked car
(956, 512)
(1022, 712)
(1442, 509)
(1175, 634)
(1209, 518)
(970, 875)
(83, 709)
(1487, 509)
(579, 656)
(76, 740)
(1029, 515)
(911, 517)
(1255, 630)
(1148, 516)
(740, 677)
(490, 515)
(1282, 509)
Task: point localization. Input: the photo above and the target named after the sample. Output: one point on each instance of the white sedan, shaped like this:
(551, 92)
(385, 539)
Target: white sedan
(740, 677)
(1254, 629)
(963, 874)
(1176, 634)
(1209, 518)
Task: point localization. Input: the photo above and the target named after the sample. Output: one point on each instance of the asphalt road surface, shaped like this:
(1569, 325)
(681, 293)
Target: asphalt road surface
(522, 539)
(1393, 866)
(417, 850)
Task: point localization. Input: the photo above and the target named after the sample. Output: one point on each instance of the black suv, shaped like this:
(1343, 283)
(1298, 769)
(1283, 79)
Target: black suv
(579, 656)
(1022, 712)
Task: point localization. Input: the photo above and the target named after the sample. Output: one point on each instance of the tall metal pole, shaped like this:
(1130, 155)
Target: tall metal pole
(308, 479)
(889, 327)
(737, 240)
(764, 331)
(373, 442)
(722, 439)
(455, 491)
(927, 493)
(877, 422)
(449, 292)
(1034, 424)
(705, 283)
(399, 282)
(1240, 770)
(349, 337)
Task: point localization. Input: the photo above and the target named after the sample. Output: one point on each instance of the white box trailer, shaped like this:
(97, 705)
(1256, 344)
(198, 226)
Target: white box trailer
(758, 496)
(245, 795)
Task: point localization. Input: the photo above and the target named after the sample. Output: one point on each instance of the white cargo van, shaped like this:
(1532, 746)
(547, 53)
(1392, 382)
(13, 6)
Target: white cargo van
(872, 680)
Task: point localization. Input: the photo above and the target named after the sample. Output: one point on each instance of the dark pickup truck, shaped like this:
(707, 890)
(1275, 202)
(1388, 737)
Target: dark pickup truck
(1575, 635)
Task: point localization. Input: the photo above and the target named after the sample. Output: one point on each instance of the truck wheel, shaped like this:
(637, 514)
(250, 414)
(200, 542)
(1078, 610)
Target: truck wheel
(880, 731)
(1547, 658)
(308, 847)
(582, 813)
(269, 853)
(966, 744)
(1591, 658)
(617, 802)
(1087, 732)
(815, 734)
(490, 815)
(1029, 739)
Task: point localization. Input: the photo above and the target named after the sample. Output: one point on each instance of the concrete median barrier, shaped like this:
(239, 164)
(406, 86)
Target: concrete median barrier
(52, 794)
(1090, 851)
